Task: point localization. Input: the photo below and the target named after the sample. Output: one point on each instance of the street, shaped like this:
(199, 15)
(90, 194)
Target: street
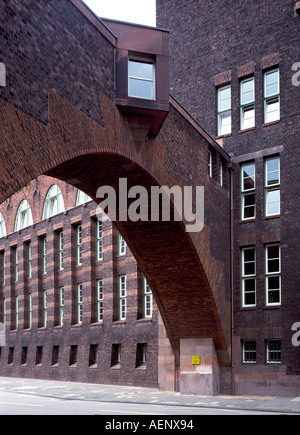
(22, 404)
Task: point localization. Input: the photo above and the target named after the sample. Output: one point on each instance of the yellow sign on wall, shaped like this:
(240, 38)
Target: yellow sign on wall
(196, 360)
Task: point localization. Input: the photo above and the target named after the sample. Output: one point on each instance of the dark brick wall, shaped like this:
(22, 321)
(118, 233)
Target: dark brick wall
(51, 45)
(216, 42)
(135, 330)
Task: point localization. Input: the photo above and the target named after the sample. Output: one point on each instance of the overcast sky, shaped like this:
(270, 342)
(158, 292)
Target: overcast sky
(134, 11)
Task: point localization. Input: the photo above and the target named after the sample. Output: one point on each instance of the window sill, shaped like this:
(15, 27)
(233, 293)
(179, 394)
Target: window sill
(275, 307)
(119, 322)
(116, 367)
(224, 136)
(73, 366)
(247, 221)
(93, 367)
(145, 320)
(77, 325)
(248, 308)
(277, 216)
(271, 123)
(142, 368)
(97, 323)
(247, 130)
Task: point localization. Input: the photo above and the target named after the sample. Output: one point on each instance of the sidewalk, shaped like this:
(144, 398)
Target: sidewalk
(135, 395)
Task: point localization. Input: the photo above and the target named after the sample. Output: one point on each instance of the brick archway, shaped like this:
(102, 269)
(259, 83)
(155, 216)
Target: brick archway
(188, 282)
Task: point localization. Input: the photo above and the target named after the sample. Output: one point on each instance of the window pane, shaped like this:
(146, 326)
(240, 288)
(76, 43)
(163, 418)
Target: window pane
(225, 123)
(272, 83)
(247, 91)
(272, 110)
(224, 99)
(248, 117)
(141, 89)
(273, 171)
(273, 202)
(141, 70)
(248, 177)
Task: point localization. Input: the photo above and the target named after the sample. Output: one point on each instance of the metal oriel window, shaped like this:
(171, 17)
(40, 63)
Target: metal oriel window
(272, 96)
(248, 191)
(141, 79)
(249, 277)
(247, 103)
(224, 110)
(273, 275)
(272, 187)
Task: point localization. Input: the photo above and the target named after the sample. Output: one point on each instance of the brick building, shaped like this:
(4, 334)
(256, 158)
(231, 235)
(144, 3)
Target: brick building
(233, 66)
(73, 300)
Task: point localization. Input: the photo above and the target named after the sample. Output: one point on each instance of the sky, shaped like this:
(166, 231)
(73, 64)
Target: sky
(134, 11)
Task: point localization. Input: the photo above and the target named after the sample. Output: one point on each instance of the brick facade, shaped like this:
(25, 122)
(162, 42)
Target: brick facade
(33, 336)
(213, 44)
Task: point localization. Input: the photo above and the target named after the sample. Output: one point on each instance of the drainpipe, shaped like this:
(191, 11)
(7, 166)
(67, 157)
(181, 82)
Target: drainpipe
(231, 169)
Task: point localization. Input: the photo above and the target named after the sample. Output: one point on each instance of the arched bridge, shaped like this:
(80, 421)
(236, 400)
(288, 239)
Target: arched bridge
(66, 112)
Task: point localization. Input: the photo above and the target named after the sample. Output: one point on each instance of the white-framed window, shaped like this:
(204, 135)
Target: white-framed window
(61, 305)
(16, 265)
(122, 247)
(141, 79)
(3, 232)
(82, 198)
(148, 300)
(273, 275)
(24, 216)
(79, 303)
(221, 175)
(17, 311)
(61, 250)
(273, 352)
(45, 307)
(210, 164)
(79, 245)
(122, 297)
(247, 103)
(54, 203)
(100, 300)
(272, 96)
(248, 277)
(224, 110)
(29, 260)
(249, 352)
(248, 186)
(3, 268)
(30, 312)
(272, 187)
(99, 241)
(44, 255)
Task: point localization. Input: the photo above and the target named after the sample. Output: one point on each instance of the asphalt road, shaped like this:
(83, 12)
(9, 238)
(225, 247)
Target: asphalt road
(22, 404)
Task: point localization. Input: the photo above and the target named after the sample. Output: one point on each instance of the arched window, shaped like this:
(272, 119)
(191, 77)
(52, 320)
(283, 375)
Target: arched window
(2, 227)
(82, 198)
(54, 203)
(24, 216)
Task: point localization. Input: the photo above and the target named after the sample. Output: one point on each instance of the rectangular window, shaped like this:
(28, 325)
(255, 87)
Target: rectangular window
(273, 352)
(141, 80)
(273, 275)
(210, 164)
(29, 261)
(247, 104)
(121, 245)
(148, 300)
(99, 240)
(93, 359)
(11, 352)
(79, 304)
(79, 245)
(16, 265)
(30, 311)
(73, 356)
(249, 352)
(122, 297)
(248, 191)
(24, 356)
(272, 96)
(17, 312)
(4, 312)
(61, 306)
(224, 110)
(141, 357)
(272, 187)
(44, 255)
(39, 356)
(100, 300)
(248, 277)
(116, 355)
(61, 250)
(45, 306)
(3, 268)
(55, 356)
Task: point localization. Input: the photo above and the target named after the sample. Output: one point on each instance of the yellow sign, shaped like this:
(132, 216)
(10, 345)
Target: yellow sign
(196, 360)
